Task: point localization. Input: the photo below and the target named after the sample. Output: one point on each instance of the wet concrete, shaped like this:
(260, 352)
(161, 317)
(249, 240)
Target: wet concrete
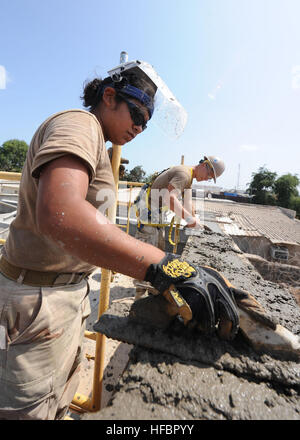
(175, 373)
(276, 272)
(163, 387)
(221, 253)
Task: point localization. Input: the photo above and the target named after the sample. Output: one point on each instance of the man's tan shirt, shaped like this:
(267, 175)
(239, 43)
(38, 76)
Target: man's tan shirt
(180, 177)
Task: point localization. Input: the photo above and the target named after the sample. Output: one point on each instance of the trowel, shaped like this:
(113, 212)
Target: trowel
(157, 312)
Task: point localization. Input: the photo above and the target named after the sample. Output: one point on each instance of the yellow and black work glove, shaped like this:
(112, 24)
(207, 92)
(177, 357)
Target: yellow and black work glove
(198, 294)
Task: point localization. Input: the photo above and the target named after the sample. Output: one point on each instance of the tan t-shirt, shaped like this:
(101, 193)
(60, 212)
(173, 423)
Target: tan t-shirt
(73, 131)
(180, 177)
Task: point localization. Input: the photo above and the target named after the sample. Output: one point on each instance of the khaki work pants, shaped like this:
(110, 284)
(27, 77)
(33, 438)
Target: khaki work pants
(41, 332)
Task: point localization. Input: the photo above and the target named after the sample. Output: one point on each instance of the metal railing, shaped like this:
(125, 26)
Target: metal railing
(5, 175)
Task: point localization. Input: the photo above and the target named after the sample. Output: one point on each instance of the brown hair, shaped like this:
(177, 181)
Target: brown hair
(93, 90)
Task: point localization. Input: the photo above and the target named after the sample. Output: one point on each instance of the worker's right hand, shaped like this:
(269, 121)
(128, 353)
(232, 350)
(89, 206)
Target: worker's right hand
(193, 222)
(198, 295)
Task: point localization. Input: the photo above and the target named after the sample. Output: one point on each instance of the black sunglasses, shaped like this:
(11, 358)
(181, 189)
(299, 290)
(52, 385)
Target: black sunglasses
(137, 116)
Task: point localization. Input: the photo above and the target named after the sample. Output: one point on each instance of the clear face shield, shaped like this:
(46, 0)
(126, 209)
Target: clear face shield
(168, 114)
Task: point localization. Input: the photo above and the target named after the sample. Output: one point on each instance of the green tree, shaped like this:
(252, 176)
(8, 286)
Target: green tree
(295, 205)
(262, 187)
(285, 188)
(137, 174)
(13, 155)
(151, 177)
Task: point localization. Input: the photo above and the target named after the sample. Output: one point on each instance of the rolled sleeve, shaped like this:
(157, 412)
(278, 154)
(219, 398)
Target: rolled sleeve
(69, 133)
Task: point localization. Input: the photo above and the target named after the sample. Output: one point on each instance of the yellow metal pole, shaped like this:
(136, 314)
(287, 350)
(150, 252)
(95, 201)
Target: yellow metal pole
(132, 183)
(10, 176)
(81, 401)
(90, 335)
(128, 214)
(176, 240)
(100, 343)
(182, 160)
(104, 298)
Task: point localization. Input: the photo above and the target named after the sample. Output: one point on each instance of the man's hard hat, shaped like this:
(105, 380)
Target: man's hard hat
(217, 165)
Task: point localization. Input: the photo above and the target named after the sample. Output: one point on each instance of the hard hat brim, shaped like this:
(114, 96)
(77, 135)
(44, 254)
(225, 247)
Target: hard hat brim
(212, 167)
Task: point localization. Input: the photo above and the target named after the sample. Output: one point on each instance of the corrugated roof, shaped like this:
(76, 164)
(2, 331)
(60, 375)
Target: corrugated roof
(255, 220)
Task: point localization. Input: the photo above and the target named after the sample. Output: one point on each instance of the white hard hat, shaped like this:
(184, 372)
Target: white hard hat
(217, 165)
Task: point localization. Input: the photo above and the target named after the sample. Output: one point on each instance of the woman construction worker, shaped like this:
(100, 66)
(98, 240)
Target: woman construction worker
(61, 234)
(171, 190)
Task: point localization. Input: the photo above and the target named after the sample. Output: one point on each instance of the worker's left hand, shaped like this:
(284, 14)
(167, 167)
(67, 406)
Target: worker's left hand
(197, 295)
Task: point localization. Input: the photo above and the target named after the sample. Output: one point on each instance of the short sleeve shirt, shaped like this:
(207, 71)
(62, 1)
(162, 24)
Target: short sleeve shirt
(76, 132)
(180, 177)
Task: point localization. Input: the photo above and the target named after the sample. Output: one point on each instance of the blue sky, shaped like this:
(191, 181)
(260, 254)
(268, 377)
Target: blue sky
(233, 64)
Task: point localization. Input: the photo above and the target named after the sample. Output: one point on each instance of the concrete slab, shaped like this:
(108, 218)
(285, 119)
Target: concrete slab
(157, 386)
(176, 374)
(236, 357)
